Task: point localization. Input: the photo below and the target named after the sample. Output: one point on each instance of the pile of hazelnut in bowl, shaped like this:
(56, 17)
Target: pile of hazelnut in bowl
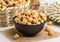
(29, 22)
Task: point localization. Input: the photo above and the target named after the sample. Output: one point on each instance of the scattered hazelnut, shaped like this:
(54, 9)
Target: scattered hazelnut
(16, 36)
(51, 33)
(47, 28)
(49, 22)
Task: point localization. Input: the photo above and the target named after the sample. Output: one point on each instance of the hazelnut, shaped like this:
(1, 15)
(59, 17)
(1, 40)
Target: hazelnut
(27, 12)
(23, 2)
(27, 17)
(44, 18)
(47, 28)
(28, 23)
(3, 3)
(42, 15)
(38, 23)
(51, 33)
(35, 16)
(33, 21)
(30, 19)
(17, 3)
(41, 21)
(23, 16)
(16, 36)
(39, 18)
(16, 20)
(3, 6)
(24, 21)
(20, 22)
(49, 22)
(19, 16)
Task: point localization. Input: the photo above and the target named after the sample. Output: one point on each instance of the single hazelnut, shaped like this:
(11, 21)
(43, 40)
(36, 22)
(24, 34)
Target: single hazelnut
(33, 21)
(24, 21)
(38, 22)
(49, 22)
(17, 20)
(28, 23)
(47, 28)
(23, 16)
(42, 21)
(51, 33)
(30, 19)
(16, 36)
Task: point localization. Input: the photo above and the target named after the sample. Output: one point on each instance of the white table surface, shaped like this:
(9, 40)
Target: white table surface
(54, 27)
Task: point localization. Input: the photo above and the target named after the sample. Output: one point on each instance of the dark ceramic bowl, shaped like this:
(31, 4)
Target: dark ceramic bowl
(28, 30)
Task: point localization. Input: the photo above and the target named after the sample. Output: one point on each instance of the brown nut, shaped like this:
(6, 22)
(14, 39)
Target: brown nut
(49, 22)
(27, 12)
(41, 21)
(23, 16)
(42, 15)
(30, 19)
(3, 3)
(35, 14)
(17, 20)
(38, 23)
(28, 23)
(39, 18)
(51, 33)
(44, 18)
(16, 36)
(33, 21)
(47, 28)
(23, 2)
(19, 16)
(20, 22)
(17, 3)
(24, 21)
